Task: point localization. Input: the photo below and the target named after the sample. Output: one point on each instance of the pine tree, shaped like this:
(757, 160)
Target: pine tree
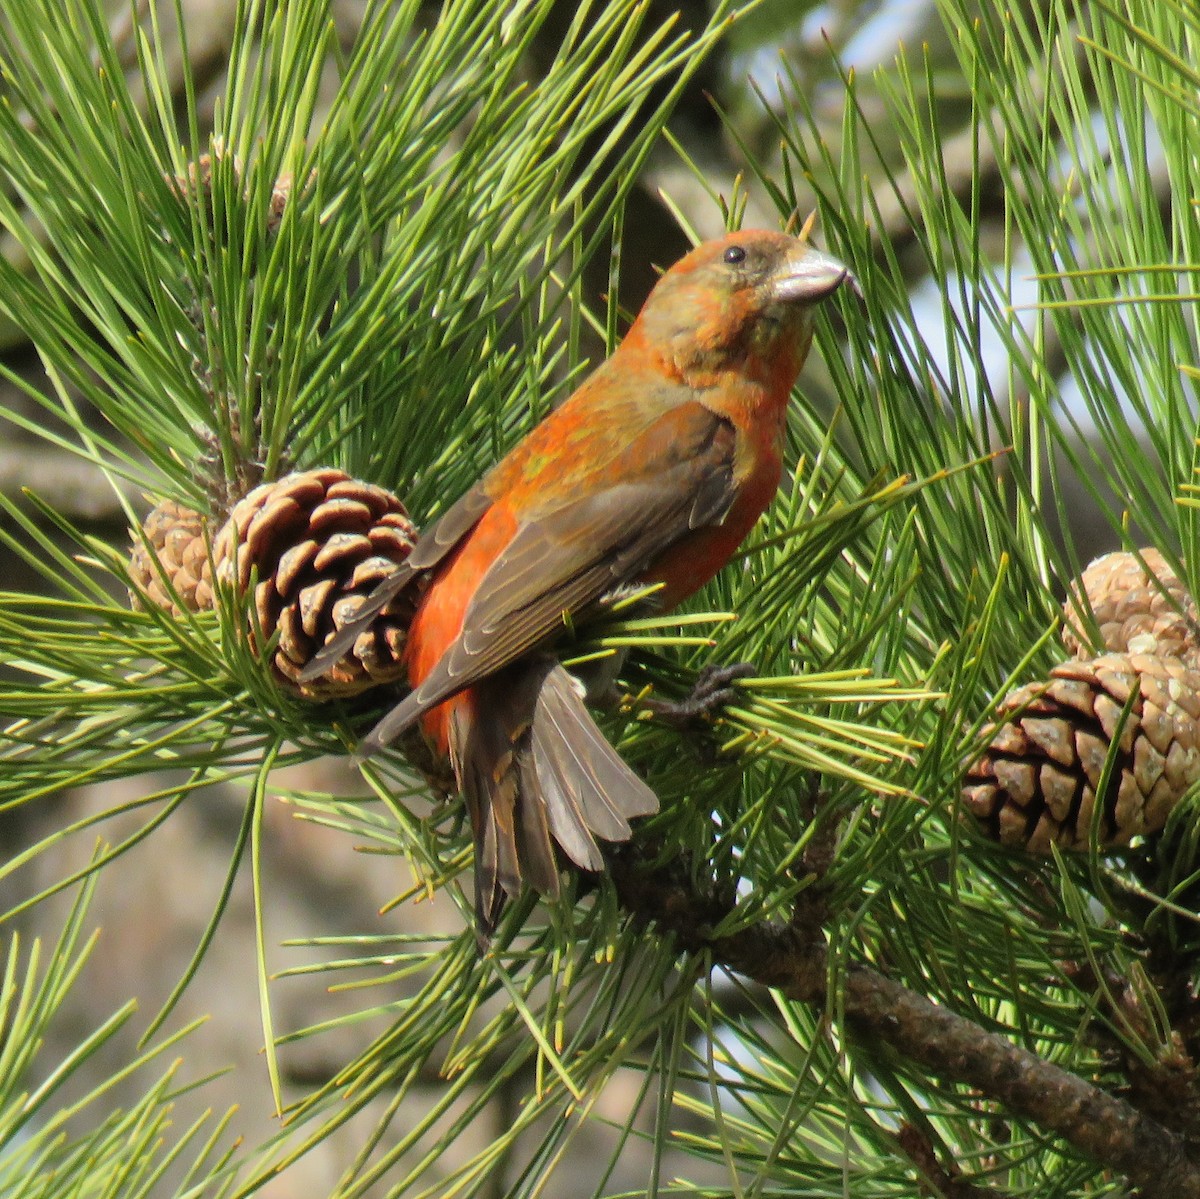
(822, 975)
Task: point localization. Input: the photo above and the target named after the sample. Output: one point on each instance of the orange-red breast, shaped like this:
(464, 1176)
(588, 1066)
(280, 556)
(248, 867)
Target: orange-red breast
(653, 471)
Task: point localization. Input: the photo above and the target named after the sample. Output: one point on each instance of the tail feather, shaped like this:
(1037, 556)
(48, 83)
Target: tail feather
(534, 770)
(568, 746)
(482, 757)
(556, 796)
(534, 847)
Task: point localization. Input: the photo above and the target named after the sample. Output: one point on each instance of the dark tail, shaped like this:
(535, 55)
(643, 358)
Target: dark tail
(535, 770)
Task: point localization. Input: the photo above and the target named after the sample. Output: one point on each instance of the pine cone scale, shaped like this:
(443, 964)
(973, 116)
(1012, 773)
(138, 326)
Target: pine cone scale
(339, 548)
(281, 521)
(1183, 765)
(371, 570)
(1051, 737)
(1093, 753)
(266, 607)
(343, 515)
(1060, 789)
(1009, 740)
(312, 602)
(292, 566)
(388, 540)
(1110, 712)
(292, 635)
(1072, 693)
(1130, 809)
(1148, 764)
(1179, 693)
(1018, 779)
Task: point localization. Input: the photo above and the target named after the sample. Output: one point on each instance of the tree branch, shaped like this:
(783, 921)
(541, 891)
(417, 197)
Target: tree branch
(793, 960)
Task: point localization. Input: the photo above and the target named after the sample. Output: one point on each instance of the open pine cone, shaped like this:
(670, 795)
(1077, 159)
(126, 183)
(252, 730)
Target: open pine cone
(314, 544)
(1037, 782)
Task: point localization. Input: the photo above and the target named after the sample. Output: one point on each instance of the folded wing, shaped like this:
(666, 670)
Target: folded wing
(564, 561)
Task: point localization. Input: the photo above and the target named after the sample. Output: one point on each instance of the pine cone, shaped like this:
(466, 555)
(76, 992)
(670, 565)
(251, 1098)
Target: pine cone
(1036, 783)
(175, 536)
(318, 542)
(1135, 615)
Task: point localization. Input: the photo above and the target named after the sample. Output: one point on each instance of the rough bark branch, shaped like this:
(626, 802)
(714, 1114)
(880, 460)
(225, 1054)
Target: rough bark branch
(795, 961)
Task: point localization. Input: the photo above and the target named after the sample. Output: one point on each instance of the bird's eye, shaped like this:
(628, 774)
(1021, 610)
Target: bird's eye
(735, 254)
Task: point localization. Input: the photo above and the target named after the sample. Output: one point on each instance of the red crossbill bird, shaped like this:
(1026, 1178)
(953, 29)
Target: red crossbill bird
(652, 472)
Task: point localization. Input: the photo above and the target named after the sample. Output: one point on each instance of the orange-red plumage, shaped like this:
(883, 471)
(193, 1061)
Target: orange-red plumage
(439, 619)
(653, 471)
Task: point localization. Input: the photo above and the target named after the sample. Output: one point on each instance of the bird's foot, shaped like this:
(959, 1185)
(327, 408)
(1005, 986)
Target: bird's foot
(711, 691)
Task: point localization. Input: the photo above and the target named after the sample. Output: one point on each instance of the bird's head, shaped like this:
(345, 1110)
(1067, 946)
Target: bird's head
(743, 300)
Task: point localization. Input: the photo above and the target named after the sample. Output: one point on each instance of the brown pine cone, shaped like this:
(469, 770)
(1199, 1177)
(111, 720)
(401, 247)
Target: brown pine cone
(318, 542)
(1036, 783)
(174, 535)
(1134, 614)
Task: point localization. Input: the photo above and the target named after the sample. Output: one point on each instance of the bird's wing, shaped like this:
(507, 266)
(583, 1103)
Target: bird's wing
(563, 560)
(432, 546)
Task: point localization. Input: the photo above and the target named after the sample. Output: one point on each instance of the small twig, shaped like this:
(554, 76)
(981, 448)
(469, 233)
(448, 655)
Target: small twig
(947, 1182)
(811, 906)
(1167, 1088)
(795, 961)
